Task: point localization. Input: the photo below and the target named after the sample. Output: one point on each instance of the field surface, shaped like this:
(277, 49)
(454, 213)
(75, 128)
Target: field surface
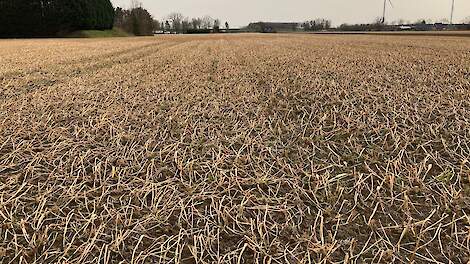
(235, 149)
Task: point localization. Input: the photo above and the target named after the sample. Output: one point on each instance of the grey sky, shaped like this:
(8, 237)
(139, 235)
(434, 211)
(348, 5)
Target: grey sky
(241, 12)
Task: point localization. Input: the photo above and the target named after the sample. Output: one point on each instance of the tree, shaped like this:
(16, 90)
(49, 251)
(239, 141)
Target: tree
(306, 26)
(157, 25)
(185, 25)
(443, 20)
(176, 20)
(167, 26)
(317, 24)
(217, 23)
(400, 22)
(216, 26)
(206, 22)
(178, 23)
(29, 18)
(120, 16)
(135, 4)
(196, 23)
(142, 22)
(137, 21)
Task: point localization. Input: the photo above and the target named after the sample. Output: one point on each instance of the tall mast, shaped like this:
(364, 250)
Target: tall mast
(385, 7)
(452, 12)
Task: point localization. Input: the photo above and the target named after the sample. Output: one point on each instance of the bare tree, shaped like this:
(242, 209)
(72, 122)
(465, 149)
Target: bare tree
(121, 17)
(176, 20)
(196, 23)
(317, 24)
(135, 4)
(444, 21)
(327, 24)
(400, 22)
(207, 22)
(157, 25)
(216, 26)
(185, 25)
(167, 27)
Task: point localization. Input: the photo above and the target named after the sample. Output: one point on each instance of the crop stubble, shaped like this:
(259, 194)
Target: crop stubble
(235, 149)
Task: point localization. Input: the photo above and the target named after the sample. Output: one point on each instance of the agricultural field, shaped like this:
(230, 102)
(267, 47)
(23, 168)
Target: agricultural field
(235, 149)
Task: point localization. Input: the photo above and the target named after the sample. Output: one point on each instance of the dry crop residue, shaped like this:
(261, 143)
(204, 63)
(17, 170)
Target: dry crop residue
(235, 149)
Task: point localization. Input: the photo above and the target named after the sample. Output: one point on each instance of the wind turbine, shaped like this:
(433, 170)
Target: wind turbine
(452, 12)
(385, 9)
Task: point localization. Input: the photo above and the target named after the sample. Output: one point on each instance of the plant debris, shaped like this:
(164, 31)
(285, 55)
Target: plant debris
(235, 149)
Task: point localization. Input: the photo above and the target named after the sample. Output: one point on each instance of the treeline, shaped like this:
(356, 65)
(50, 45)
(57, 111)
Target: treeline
(138, 21)
(318, 24)
(377, 26)
(400, 25)
(36, 18)
(45, 18)
(178, 23)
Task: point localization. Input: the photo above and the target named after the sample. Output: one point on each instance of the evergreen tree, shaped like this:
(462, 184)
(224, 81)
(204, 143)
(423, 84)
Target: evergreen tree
(27, 18)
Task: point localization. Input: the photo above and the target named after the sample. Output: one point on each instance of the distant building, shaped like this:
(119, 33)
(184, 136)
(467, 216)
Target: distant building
(405, 27)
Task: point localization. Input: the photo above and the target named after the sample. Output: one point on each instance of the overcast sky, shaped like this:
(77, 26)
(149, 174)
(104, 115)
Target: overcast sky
(241, 12)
